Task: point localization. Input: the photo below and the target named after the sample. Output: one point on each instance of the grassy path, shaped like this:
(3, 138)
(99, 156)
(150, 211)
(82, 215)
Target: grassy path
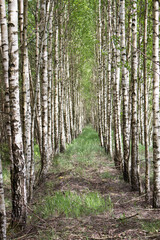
(85, 197)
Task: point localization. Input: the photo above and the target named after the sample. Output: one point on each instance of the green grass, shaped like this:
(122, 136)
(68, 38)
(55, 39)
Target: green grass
(47, 235)
(151, 226)
(72, 204)
(6, 173)
(141, 151)
(106, 175)
(85, 145)
(4, 153)
(81, 151)
(37, 157)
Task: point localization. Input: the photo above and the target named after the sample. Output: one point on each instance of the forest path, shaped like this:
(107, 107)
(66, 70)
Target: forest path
(85, 197)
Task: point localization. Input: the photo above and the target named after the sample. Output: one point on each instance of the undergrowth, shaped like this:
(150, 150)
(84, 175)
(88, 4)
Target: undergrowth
(151, 226)
(72, 204)
(80, 152)
(83, 152)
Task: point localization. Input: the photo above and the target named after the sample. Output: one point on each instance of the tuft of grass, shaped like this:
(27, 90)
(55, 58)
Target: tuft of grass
(72, 204)
(121, 177)
(106, 175)
(123, 218)
(47, 235)
(151, 226)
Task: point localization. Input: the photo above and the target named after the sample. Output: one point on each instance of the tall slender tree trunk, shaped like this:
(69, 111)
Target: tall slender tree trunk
(70, 111)
(62, 78)
(5, 62)
(2, 203)
(37, 87)
(109, 100)
(104, 61)
(116, 83)
(37, 111)
(26, 98)
(156, 118)
(147, 171)
(67, 122)
(100, 76)
(18, 173)
(45, 155)
(139, 107)
(50, 80)
(134, 148)
(128, 52)
(125, 92)
(56, 75)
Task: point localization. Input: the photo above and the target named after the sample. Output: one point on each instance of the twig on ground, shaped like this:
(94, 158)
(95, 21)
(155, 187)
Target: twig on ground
(24, 236)
(133, 199)
(154, 236)
(131, 216)
(128, 217)
(36, 215)
(149, 209)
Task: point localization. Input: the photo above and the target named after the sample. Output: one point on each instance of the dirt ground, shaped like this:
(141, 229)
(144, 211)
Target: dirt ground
(126, 221)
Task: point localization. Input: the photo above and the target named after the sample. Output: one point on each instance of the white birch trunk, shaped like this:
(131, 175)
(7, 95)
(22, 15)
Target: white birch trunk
(2, 202)
(56, 75)
(134, 148)
(5, 63)
(109, 100)
(18, 174)
(26, 97)
(50, 79)
(100, 75)
(156, 118)
(125, 92)
(61, 89)
(44, 95)
(32, 168)
(68, 124)
(147, 170)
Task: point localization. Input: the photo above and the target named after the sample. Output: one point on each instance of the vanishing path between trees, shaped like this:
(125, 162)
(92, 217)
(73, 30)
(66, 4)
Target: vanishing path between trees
(85, 197)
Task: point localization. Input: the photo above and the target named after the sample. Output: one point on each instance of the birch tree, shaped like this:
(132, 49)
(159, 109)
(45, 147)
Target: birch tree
(156, 120)
(50, 83)
(56, 72)
(26, 90)
(125, 92)
(5, 62)
(35, 103)
(61, 83)
(100, 76)
(109, 100)
(3, 226)
(116, 83)
(147, 171)
(44, 96)
(18, 173)
(104, 61)
(134, 147)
